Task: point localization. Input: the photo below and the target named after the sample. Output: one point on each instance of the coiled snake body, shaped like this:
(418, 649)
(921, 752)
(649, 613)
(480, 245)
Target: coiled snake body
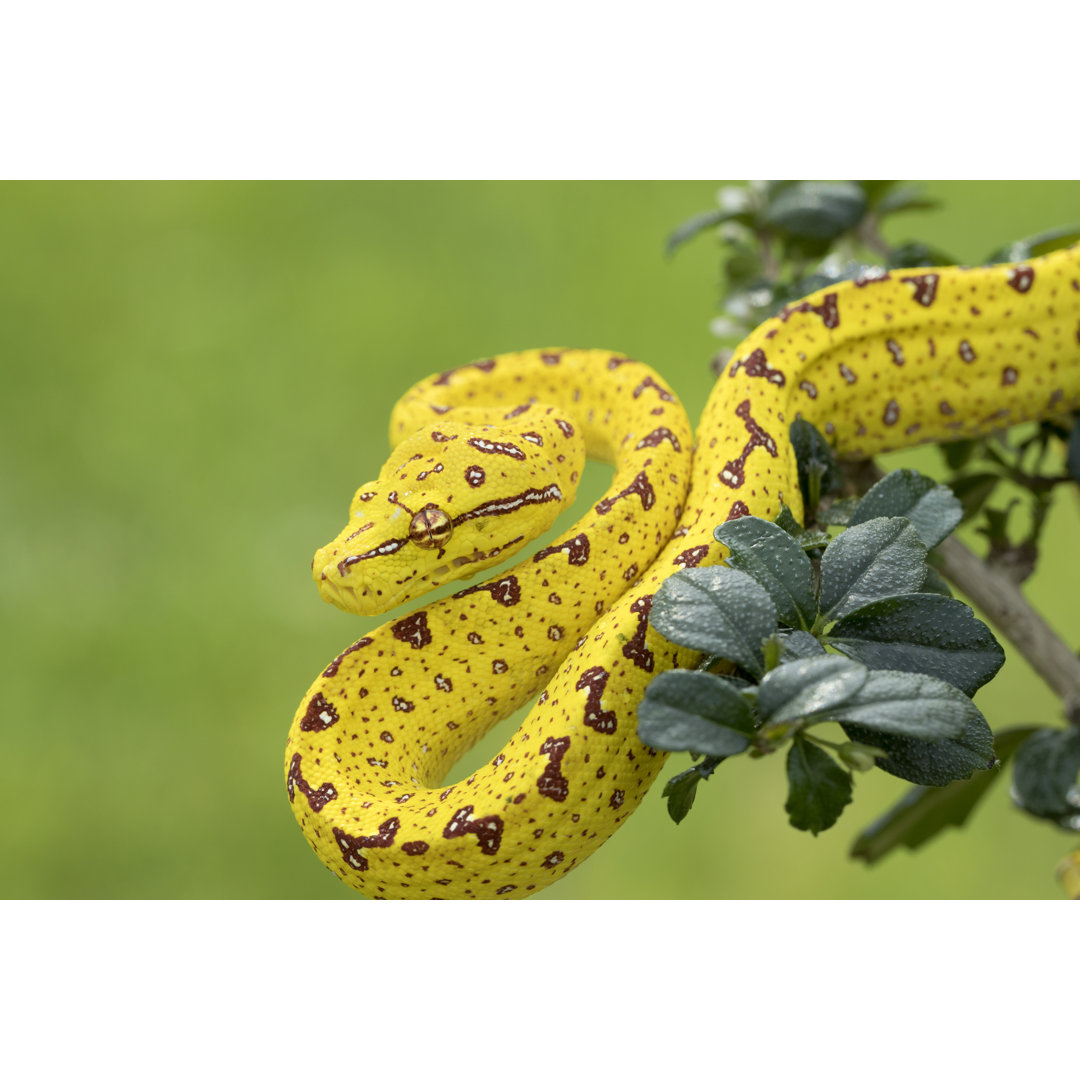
(485, 455)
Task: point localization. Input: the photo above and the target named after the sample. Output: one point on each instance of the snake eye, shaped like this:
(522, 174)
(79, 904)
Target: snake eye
(431, 527)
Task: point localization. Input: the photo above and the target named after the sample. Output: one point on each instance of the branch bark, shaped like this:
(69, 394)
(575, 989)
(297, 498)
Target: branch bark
(1005, 606)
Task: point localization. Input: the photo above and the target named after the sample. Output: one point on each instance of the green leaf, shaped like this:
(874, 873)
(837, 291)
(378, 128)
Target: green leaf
(1041, 244)
(818, 474)
(904, 703)
(931, 507)
(921, 632)
(916, 254)
(1045, 775)
(816, 210)
(924, 811)
(935, 583)
(680, 792)
(958, 453)
(695, 711)
(884, 557)
(716, 610)
(775, 561)
(787, 521)
(818, 788)
(839, 513)
(932, 762)
(799, 645)
(905, 197)
(1072, 458)
(804, 688)
(973, 490)
(697, 224)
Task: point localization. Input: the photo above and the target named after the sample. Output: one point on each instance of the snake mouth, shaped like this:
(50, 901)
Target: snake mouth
(344, 583)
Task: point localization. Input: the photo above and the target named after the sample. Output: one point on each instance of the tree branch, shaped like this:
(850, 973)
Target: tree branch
(995, 594)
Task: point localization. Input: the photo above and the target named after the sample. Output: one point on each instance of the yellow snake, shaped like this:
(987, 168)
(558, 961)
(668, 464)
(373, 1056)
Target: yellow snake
(485, 456)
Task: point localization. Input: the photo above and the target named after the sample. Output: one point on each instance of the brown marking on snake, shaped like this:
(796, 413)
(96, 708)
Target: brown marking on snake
(528, 497)
(945, 408)
(576, 548)
(415, 847)
(635, 649)
(534, 437)
(828, 310)
(871, 277)
(734, 472)
(1009, 376)
(519, 410)
(638, 486)
(809, 387)
(552, 784)
(320, 714)
(487, 830)
(363, 528)
(616, 799)
(317, 797)
(691, 556)
(413, 630)
(565, 427)
(593, 682)
(654, 438)
(475, 476)
(489, 446)
(551, 358)
(506, 591)
(650, 383)
(351, 845)
(924, 287)
(1020, 278)
(553, 860)
(849, 376)
(486, 366)
(1028, 330)
(438, 436)
(967, 353)
(756, 365)
(618, 361)
(332, 667)
(892, 413)
(738, 509)
(895, 352)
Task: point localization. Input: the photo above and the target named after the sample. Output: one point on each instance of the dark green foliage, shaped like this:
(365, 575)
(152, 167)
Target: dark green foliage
(1045, 776)
(924, 811)
(818, 788)
(826, 629)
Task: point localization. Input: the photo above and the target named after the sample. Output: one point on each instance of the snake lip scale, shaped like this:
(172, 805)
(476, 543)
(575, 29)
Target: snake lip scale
(484, 458)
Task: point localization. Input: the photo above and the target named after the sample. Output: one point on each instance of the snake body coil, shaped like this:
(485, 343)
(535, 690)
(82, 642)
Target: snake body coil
(484, 457)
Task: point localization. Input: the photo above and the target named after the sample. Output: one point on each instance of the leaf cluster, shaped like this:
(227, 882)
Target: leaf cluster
(778, 233)
(819, 629)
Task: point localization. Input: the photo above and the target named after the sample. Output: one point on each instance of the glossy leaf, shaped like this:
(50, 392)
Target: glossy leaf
(776, 562)
(921, 632)
(818, 474)
(799, 645)
(1045, 775)
(716, 610)
(932, 762)
(931, 507)
(818, 788)
(884, 557)
(903, 703)
(680, 792)
(816, 210)
(697, 224)
(804, 688)
(973, 490)
(695, 711)
(925, 811)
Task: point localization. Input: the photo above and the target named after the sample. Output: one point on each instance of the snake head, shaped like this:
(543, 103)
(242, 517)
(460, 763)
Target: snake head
(450, 501)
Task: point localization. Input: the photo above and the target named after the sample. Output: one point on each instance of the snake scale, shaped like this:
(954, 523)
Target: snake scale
(484, 457)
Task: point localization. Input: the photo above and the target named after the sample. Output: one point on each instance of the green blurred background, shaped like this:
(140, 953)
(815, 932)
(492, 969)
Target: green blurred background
(195, 378)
